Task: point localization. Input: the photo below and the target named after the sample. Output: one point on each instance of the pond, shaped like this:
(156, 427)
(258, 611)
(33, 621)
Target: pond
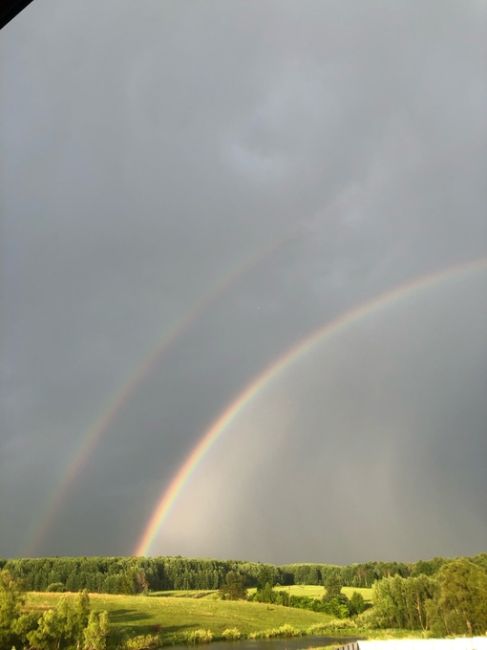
(292, 643)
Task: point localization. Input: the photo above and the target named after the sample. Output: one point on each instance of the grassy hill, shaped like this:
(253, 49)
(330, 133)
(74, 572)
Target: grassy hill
(173, 617)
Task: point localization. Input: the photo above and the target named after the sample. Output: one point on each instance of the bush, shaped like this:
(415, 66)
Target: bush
(357, 604)
(198, 636)
(283, 631)
(366, 618)
(143, 642)
(287, 630)
(56, 587)
(231, 634)
(340, 624)
(316, 629)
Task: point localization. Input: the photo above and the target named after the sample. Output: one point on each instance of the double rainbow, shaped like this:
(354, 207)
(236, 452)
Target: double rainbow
(92, 437)
(325, 332)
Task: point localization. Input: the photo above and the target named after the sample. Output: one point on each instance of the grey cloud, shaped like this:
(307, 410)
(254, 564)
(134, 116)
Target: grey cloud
(330, 150)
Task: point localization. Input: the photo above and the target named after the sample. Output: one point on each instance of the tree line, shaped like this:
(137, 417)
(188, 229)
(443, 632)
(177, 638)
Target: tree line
(129, 575)
(454, 601)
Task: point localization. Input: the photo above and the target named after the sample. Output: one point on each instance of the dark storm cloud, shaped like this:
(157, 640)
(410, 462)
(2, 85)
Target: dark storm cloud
(147, 154)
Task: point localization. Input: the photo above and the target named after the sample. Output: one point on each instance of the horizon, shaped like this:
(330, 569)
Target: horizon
(247, 560)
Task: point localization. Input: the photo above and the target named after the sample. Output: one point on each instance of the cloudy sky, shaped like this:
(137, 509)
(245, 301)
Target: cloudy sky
(189, 189)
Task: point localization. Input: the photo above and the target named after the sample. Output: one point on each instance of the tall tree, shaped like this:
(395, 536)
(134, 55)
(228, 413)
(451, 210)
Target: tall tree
(11, 600)
(403, 602)
(96, 632)
(333, 585)
(461, 606)
(234, 587)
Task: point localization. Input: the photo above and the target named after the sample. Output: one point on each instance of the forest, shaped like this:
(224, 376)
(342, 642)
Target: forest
(131, 575)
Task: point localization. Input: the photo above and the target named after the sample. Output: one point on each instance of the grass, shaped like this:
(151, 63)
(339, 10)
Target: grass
(206, 594)
(316, 591)
(173, 618)
(376, 635)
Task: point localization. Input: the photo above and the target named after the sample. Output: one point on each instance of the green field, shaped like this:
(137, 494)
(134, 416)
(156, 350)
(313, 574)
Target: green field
(206, 594)
(171, 617)
(168, 617)
(316, 591)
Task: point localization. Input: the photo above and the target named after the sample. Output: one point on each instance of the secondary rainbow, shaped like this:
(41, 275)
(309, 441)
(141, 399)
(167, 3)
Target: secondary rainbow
(326, 331)
(91, 438)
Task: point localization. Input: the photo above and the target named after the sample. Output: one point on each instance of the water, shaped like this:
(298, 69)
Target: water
(293, 643)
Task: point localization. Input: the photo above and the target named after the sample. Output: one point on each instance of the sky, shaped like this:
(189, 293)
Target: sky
(188, 190)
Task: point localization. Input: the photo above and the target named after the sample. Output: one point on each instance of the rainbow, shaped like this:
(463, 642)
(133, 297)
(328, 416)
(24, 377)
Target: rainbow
(325, 332)
(91, 438)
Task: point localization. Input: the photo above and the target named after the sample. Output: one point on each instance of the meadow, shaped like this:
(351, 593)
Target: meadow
(179, 617)
(173, 617)
(317, 591)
